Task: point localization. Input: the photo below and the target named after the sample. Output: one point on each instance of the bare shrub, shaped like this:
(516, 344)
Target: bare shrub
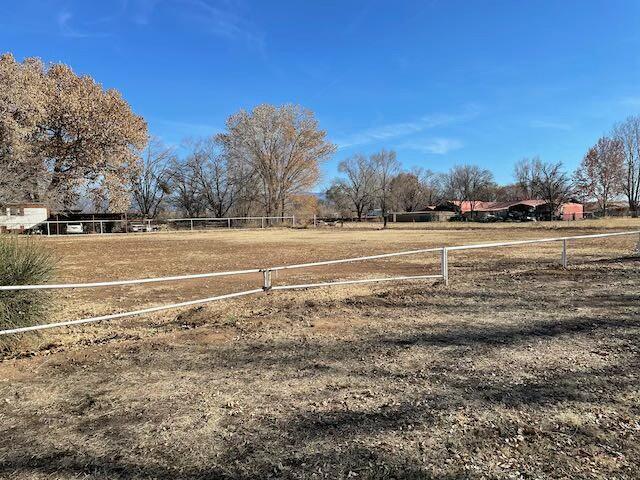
(22, 262)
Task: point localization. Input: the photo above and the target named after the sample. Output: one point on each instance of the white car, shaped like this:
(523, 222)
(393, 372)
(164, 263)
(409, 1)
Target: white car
(74, 228)
(139, 227)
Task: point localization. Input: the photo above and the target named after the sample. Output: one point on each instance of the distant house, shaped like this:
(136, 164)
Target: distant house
(534, 208)
(36, 218)
(527, 209)
(428, 215)
(480, 210)
(614, 209)
(22, 217)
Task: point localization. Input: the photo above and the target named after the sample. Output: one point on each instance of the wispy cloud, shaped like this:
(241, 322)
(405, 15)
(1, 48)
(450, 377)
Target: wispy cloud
(630, 101)
(67, 29)
(142, 11)
(225, 20)
(402, 129)
(435, 146)
(549, 125)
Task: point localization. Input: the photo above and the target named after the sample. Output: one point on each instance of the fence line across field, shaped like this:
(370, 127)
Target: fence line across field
(99, 226)
(93, 222)
(267, 277)
(229, 220)
(116, 283)
(133, 313)
(353, 282)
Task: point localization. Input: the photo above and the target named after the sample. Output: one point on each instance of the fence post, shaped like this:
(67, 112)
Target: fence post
(228, 223)
(101, 227)
(314, 220)
(293, 221)
(444, 265)
(638, 246)
(564, 254)
(266, 284)
(261, 222)
(49, 230)
(191, 224)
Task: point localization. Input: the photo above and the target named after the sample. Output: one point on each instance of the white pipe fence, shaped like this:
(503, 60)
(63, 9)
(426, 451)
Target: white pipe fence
(116, 283)
(130, 314)
(228, 221)
(267, 277)
(101, 226)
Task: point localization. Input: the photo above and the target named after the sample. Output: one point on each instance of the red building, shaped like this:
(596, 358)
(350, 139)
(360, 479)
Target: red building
(572, 211)
(538, 209)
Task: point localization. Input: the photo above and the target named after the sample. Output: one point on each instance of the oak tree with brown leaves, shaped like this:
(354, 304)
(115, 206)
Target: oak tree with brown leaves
(61, 133)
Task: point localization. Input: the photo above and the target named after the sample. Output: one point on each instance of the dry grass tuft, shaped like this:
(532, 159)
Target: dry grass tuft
(22, 262)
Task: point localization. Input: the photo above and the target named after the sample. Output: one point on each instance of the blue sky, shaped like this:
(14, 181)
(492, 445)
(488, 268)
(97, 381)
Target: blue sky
(441, 82)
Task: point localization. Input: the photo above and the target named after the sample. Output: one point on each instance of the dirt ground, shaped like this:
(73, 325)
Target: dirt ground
(518, 369)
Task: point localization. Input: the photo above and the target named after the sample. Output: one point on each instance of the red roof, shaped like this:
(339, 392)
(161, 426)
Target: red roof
(530, 203)
(478, 206)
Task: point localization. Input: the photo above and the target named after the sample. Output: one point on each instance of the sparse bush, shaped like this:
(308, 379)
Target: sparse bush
(22, 261)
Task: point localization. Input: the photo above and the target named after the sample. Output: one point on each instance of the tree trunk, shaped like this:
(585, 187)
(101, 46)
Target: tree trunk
(384, 214)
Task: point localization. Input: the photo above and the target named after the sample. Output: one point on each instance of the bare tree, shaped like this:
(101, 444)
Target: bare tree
(185, 187)
(552, 184)
(150, 181)
(469, 183)
(601, 172)
(414, 190)
(386, 167)
(628, 134)
(246, 186)
(524, 172)
(283, 146)
(430, 185)
(358, 187)
(213, 176)
(337, 201)
(510, 193)
(407, 192)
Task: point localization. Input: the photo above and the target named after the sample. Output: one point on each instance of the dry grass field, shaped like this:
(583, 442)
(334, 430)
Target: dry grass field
(518, 369)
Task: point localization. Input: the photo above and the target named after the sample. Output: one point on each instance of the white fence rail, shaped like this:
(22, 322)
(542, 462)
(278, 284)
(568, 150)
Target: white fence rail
(229, 222)
(267, 277)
